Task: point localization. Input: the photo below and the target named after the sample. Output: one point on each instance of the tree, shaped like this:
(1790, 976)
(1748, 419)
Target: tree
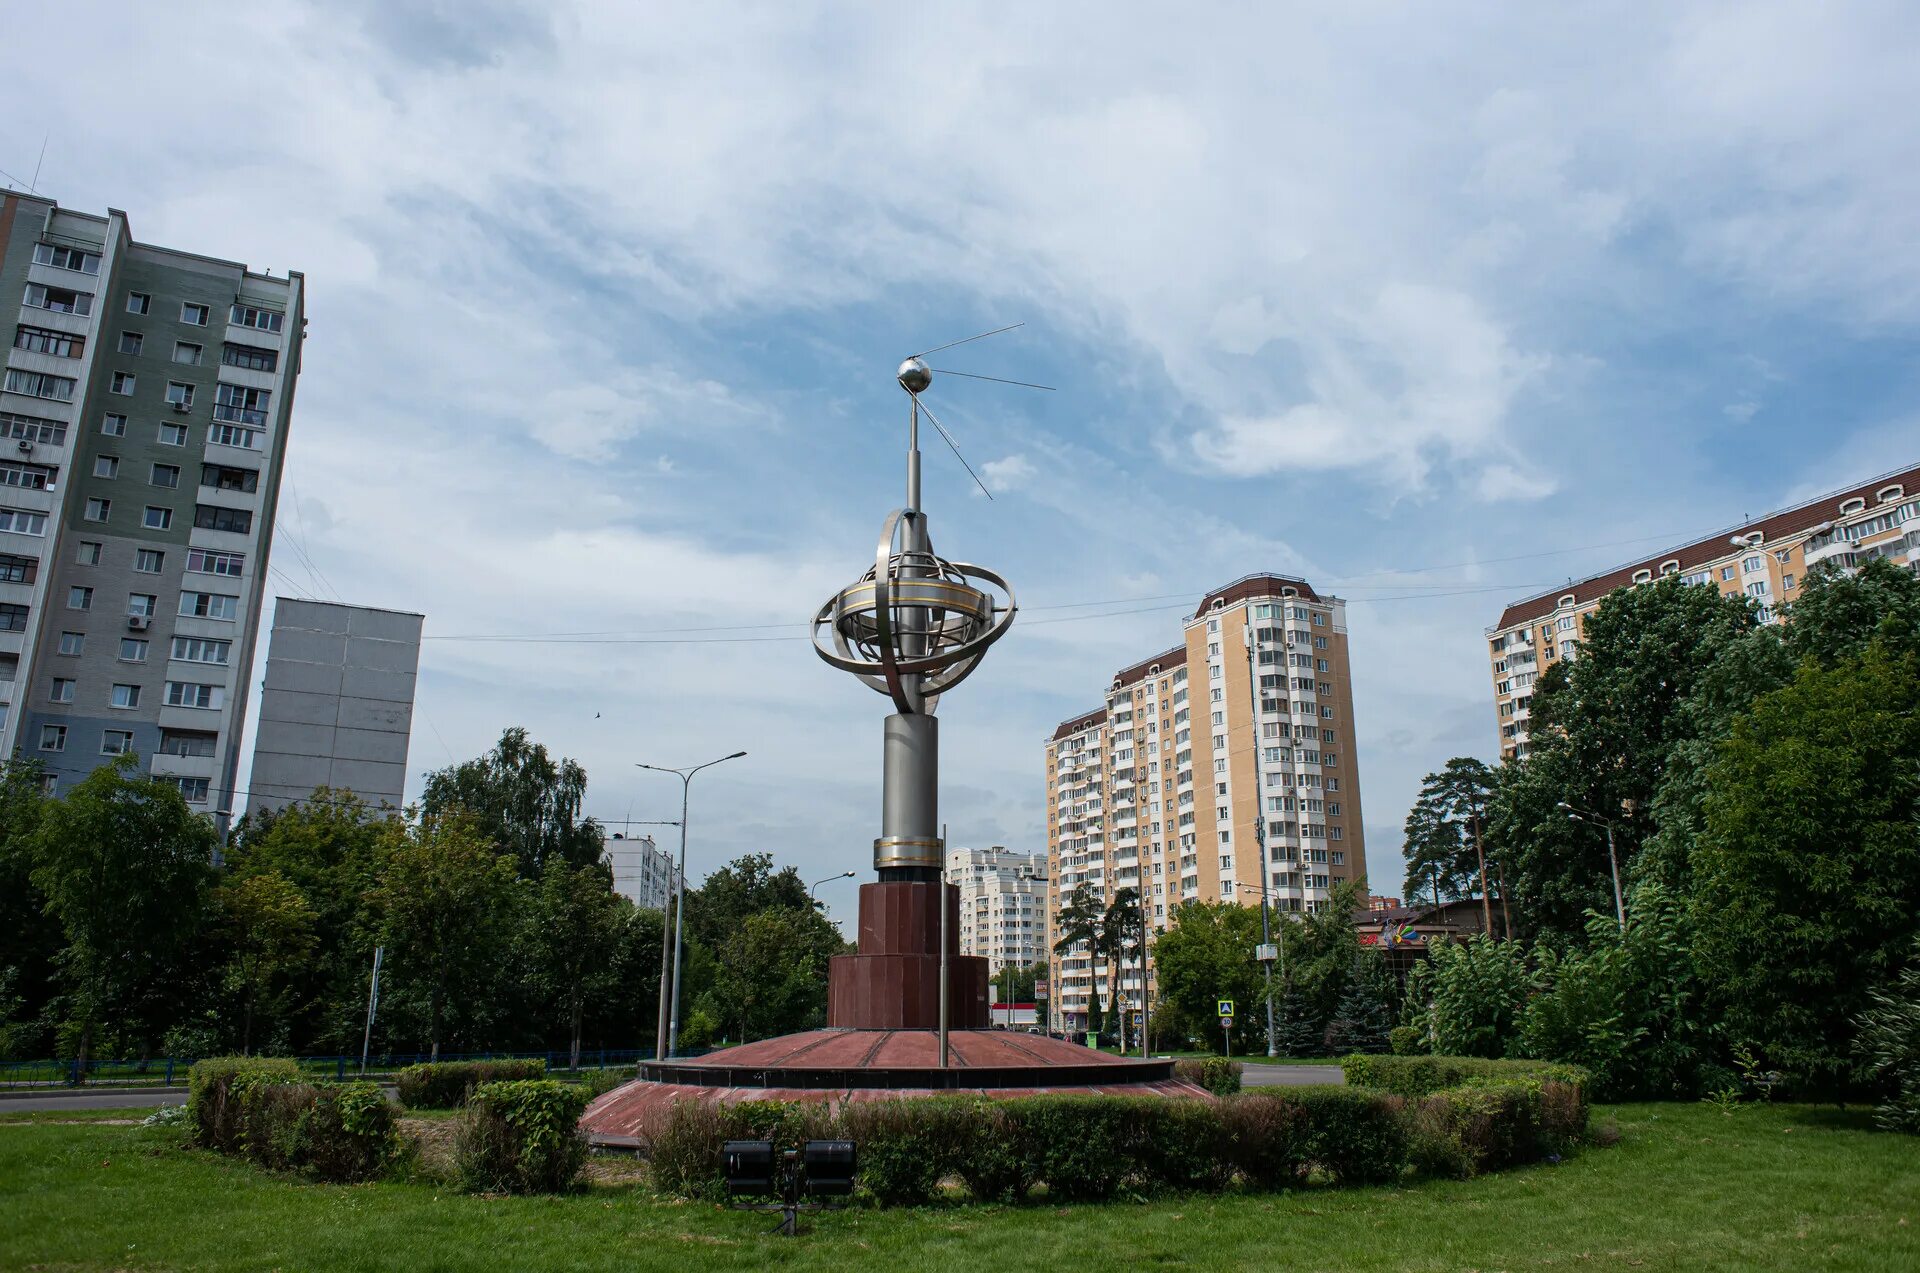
(522, 800)
(1469, 994)
(1446, 833)
(1081, 924)
(125, 868)
(447, 907)
(1839, 613)
(1123, 934)
(268, 925)
(1363, 1018)
(1207, 955)
(745, 886)
(574, 939)
(772, 974)
(29, 937)
(1808, 864)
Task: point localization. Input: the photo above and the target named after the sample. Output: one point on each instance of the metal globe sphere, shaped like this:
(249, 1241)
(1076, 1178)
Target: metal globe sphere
(914, 375)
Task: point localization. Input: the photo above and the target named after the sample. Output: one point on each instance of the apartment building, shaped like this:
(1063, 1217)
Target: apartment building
(336, 705)
(1766, 559)
(1216, 770)
(1003, 905)
(643, 872)
(143, 422)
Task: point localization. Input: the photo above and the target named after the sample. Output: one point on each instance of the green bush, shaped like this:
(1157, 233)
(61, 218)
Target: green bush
(1563, 1112)
(991, 1154)
(1355, 1136)
(1267, 1138)
(445, 1084)
(334, 1132)
(1217, 1074)
(1424, 1075)
(1464, 1131)
(214, 1087)
(904, 1147)
(1183, 1144)
(1889, 1041)
(522, 1136)
(1084, 1147)
(683, 1147)
(1406, 1040)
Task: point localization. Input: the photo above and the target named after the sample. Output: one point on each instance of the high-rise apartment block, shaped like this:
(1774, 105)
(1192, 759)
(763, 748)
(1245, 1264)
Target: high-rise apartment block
(1003, 905)
(143, 424)
(336, 707)
(1217, 770)
(642, 872)
(1767, 560)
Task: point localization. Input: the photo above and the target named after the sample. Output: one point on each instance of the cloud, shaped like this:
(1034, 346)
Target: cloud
(1009, 473)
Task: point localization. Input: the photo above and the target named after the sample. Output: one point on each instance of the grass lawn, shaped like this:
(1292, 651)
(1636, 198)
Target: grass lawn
(1788, 1187)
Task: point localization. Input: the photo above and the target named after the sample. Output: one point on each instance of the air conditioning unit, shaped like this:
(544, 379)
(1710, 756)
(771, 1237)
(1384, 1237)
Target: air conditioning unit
(25, 447)
(138, 622)
(183, 407)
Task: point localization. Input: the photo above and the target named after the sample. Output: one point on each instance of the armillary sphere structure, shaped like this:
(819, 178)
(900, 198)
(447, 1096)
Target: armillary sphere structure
(913, 627)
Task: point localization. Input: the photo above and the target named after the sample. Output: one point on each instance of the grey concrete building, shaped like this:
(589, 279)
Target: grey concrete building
(643, 872)
(1003, 905)
(336, 709)
(143, 426)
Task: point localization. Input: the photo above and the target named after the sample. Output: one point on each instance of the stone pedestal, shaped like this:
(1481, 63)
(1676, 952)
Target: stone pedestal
(894, 982)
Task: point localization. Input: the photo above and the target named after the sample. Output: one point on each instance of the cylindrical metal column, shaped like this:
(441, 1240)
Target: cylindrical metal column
(910, 798)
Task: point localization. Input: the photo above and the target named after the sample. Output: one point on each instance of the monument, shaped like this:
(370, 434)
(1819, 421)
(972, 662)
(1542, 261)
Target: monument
(913, 627)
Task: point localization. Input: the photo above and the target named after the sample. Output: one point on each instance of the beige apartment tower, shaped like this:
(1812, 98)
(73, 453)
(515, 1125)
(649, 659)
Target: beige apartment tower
(1766, 559)
(1237, 740)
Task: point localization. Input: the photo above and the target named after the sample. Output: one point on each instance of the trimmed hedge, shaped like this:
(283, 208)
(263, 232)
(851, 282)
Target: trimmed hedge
(522, 1137)
(259, 1108)
(1353, 1135)
(1217, 1074)
(1425, 1075)
(214, 1088)
(446, 1084)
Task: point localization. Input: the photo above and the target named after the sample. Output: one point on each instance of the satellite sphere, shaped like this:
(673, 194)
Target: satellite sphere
(914, 375)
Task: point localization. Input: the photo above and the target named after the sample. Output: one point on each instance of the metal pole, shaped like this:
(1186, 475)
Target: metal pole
(1266, 939)
(679, 921)
(943, 954)
(373, 1004)
(1619, 905)
(666, 937)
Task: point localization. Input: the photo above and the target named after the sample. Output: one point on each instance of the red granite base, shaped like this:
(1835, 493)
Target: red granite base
(894, 982)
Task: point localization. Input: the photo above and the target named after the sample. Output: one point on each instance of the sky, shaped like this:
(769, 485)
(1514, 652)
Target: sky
(1434, 305)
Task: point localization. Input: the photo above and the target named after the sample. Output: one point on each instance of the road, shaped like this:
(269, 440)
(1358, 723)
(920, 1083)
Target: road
(1254, 1074)
(145, 1098)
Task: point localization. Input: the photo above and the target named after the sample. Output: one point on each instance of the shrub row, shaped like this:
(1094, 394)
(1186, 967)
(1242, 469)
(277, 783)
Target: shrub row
(1217, 1074)
(522, 1137)
(445, 1084)
(1085, 1148)
(259, 1108)
(1425, 1075)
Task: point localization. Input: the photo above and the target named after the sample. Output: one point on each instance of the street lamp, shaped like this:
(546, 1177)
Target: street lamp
(1267, 950)
(844, 875)
(1613, 860)
(668, 1040)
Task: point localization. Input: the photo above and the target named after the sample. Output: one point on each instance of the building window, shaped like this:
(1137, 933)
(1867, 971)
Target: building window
(22, 521)
(44, 340)
(107, 466)
(131, 342)
(208, 562)
(201, 650)
(126, 696)
(89, 553)
(173, 435)
(62, 257)
(124, 382)
(156, 518)
(62, 691)
(114, 425)
(1726, 573)
(1786, 583)
(148, 561)
(116, 742)
(72, 643)
(79, 598)
(60, 300)
(233, 435)
(238, 405)
(237, 521)
(32, 428)
(53, 738)
(208, 605)
(222, 477)
(187, 694)
(138, 302)
(39, 384)
(265, 320)
(179, 394)
(250, 358)
(193, 315)
(186, 353)
(17, 569)
(166, 475)
(133, 650)
(142, 603)
(194, 790)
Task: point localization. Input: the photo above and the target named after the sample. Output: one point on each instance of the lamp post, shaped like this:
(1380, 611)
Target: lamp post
(668, 1039)
(1613, 860)
(1266, 949)
(844, 875)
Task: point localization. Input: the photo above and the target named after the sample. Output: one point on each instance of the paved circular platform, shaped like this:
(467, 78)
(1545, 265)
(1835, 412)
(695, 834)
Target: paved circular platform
(836, 1067)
